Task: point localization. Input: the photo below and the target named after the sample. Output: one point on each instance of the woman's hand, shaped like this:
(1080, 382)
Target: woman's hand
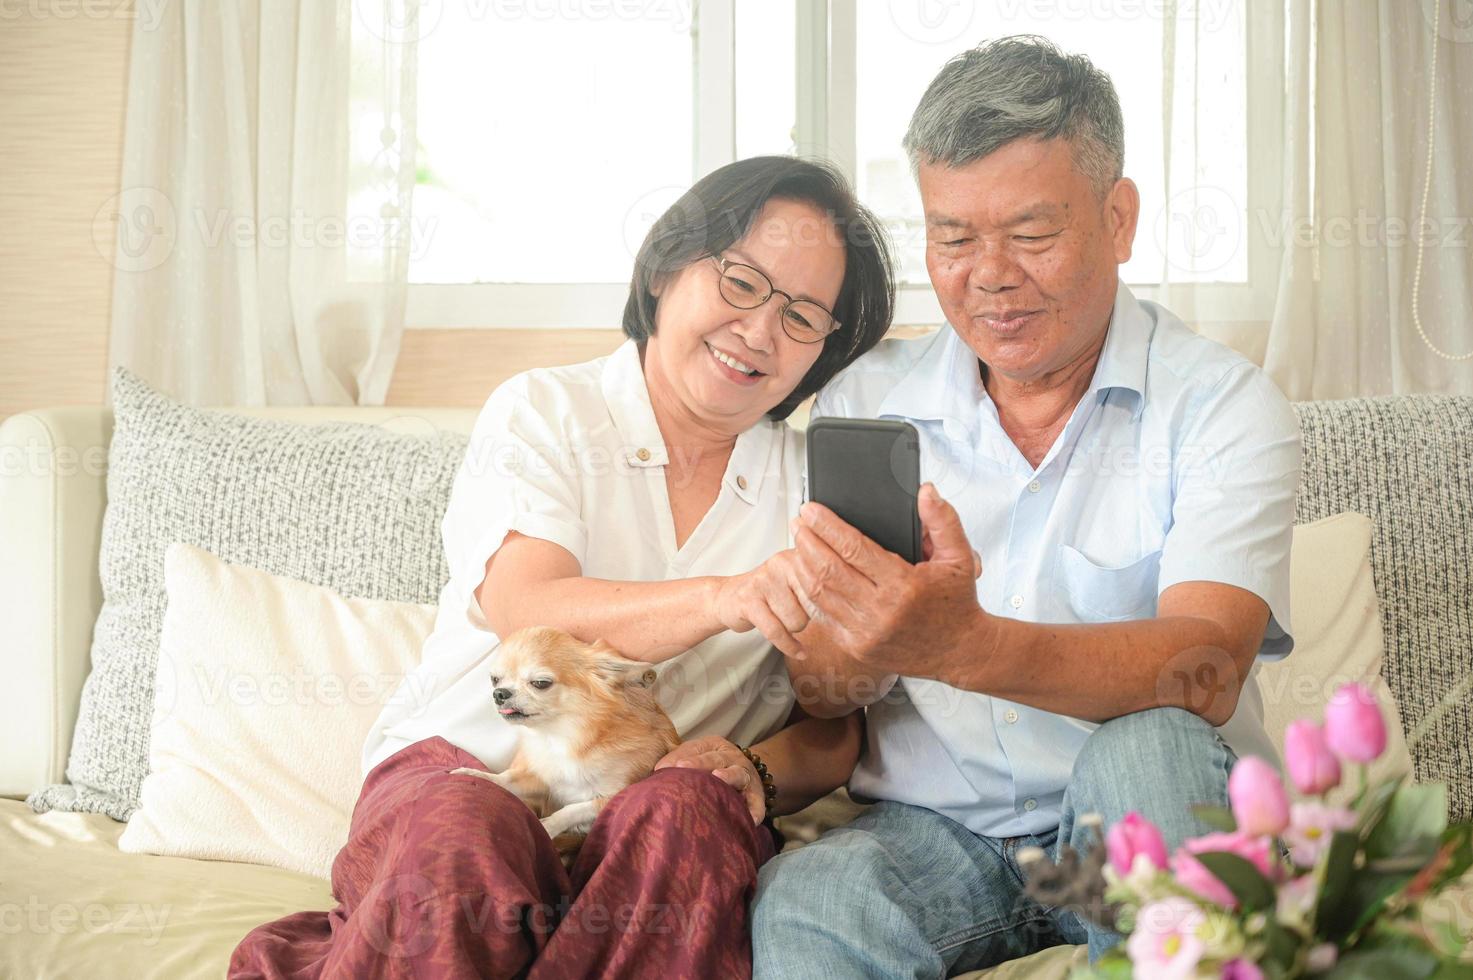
(727, 763)
(768, 599)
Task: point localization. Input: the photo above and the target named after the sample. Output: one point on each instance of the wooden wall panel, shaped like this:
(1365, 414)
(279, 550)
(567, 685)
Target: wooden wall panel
(460, 367)
(63, 75)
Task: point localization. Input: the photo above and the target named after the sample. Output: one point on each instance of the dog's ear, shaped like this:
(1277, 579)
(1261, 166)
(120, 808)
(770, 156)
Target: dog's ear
(616, 669)
(610, 665)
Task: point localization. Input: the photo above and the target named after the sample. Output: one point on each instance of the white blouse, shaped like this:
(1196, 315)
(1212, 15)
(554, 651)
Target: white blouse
(573, 455)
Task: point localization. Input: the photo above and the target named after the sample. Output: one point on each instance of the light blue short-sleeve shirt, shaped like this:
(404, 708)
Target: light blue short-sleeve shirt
(1180, 463)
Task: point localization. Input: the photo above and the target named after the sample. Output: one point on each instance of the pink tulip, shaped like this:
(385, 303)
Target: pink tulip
(1193, 875)
(1312, 766)
(1257, 794)
(1135, 835)
(1354, 728)
(1241, 969)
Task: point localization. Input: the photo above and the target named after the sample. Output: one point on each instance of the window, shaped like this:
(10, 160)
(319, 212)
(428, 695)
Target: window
(765, 90)
(540, 138)
(550, 134)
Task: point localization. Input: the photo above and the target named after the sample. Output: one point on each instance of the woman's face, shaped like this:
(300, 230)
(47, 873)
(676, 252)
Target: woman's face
(699, 335)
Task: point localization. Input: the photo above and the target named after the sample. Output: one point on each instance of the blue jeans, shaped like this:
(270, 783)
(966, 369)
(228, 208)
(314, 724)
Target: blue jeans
(905, 892)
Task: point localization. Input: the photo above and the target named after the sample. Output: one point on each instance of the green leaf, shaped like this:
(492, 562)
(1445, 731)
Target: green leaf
(1281, 946)
(1385, 963)
(1414, 812)
(1411, 855)
(1339, 864)
(1242, 878)
(1386, 876)
(1373, 807)
(1367, 894)
(1216, 817)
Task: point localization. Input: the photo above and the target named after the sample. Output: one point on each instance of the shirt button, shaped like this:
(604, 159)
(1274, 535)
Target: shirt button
(742, 482)
(1016, 602)
(1011, 716)
(1035, 486)
(643, 455)
(1030, 804)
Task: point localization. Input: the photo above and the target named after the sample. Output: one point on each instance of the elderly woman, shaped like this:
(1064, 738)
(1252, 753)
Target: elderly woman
(644, 499)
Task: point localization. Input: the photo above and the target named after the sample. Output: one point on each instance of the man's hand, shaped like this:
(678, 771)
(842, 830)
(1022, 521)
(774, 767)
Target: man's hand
(878, 608)
(727, 763)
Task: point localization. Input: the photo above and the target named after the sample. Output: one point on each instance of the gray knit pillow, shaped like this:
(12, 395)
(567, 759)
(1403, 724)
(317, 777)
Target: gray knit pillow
(351, 507)
(1406, 462)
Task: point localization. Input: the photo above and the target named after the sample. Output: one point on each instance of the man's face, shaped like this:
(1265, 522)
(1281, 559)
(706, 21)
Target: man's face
(1024, 256)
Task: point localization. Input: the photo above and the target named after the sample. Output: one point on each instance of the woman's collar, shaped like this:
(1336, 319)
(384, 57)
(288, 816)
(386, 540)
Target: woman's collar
(641, 444)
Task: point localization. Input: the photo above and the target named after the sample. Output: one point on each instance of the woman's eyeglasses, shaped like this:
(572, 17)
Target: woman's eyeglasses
(747, 288)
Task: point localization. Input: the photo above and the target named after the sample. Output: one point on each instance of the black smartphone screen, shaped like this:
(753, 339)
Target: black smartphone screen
(868, 471)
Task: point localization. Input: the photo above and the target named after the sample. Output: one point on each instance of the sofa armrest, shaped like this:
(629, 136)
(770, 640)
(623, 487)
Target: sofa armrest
(53, 491)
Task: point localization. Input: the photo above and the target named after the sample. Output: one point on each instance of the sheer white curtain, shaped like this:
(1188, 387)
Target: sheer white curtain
(1364, 159)
(1378, 297)
(1217, 82)
(263, 231)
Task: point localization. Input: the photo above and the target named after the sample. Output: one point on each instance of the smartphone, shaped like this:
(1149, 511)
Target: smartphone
(868, 471)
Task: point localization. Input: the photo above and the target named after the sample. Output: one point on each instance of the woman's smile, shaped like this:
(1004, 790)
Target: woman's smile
(733, 368)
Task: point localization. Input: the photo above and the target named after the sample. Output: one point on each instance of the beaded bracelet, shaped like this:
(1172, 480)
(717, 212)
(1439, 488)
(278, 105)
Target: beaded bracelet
(769, 789)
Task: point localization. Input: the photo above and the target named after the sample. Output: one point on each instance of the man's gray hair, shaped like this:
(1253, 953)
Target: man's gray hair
(1014, 88)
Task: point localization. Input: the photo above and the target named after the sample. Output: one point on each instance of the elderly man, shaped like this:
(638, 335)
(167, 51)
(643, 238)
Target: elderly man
(1129, 489)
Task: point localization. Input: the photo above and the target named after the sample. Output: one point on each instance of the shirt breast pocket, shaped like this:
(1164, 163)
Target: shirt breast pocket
(1099, 593)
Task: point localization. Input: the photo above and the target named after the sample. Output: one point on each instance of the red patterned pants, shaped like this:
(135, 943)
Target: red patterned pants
(452, 876)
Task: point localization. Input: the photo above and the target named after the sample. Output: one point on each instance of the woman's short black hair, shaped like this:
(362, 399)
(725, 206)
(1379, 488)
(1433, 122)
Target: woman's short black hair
(719, 210)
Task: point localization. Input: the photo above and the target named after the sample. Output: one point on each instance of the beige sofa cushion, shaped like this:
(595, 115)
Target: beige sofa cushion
(73, 905)
(1337, 640)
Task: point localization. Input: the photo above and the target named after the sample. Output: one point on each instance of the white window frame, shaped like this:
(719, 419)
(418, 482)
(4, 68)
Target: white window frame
(827, 61)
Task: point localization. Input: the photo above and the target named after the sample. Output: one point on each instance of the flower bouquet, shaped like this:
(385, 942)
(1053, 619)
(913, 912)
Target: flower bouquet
(1345, 903)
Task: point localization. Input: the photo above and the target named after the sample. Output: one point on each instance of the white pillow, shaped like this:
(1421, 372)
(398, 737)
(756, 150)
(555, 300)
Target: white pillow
(1337, 639)
(266, 689)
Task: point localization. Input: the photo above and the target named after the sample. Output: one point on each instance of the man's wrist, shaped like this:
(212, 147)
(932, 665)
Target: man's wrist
(971, 657)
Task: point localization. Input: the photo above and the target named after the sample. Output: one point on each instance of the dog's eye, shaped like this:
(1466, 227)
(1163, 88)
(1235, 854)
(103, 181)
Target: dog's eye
(542, 685)
(495, 680)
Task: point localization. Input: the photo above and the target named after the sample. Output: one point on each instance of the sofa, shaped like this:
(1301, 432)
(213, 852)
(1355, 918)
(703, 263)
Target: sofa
(73, 905)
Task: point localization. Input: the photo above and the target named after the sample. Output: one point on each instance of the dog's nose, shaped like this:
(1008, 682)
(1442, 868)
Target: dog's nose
(501, 694)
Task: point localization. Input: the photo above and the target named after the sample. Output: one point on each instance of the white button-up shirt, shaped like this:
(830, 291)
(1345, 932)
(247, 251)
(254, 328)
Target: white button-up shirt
(1180, 463)
(572, 455)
